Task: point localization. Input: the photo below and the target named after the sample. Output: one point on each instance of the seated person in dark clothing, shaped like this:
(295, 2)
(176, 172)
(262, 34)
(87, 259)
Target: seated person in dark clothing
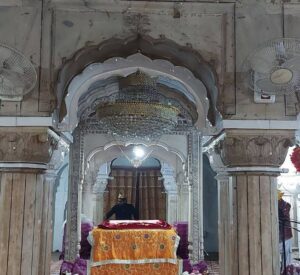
(123, 210)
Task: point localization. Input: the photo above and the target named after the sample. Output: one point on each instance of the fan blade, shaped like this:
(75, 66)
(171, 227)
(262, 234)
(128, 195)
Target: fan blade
(5, 53)
(263, 61)
(280, 50)
(292, 64)
(14, 78)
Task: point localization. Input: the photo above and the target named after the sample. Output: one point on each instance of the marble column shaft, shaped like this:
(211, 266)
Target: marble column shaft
(195, 234)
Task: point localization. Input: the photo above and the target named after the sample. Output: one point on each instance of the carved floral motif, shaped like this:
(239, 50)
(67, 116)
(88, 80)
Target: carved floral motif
(26, 145)
(255, 148)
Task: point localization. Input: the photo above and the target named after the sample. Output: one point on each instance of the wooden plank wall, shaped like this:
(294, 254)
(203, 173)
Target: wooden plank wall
(227, 231)
(248, 225)
(26, 224)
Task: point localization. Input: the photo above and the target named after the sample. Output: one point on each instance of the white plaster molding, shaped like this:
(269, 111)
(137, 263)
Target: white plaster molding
(17, 121)
(222, 177)
(154, 144)
(62, 139)
(123, 67)
(260, 169)
(23, 165)
(215, 160)
(58, 156)
(50, 176)
(212, 143)
(260, 124)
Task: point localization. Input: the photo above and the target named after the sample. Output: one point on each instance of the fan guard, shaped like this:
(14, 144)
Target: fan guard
(17, 75)
(274, 68)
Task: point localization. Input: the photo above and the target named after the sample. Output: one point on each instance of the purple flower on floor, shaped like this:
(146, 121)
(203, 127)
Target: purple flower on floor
(201, 267)
(291, 269)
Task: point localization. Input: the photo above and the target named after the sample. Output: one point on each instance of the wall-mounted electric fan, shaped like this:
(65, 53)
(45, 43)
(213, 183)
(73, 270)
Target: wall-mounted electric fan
(274, 67)
(17, 75)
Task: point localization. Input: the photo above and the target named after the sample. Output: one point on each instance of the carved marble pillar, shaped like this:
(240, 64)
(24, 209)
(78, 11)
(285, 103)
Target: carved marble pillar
(225, 212)
(196, 245)
(98, 199)
(74, 197)
(172, 192)
(47, 222)
(25, 200)
(248, 220)
(87, 201)
(183, 202)
(98, 192)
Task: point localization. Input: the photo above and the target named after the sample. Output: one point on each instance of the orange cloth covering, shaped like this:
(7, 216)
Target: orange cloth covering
(134, 251)
(135, 269)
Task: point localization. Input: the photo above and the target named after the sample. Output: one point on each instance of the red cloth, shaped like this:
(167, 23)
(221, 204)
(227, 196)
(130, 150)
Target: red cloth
(138, 224)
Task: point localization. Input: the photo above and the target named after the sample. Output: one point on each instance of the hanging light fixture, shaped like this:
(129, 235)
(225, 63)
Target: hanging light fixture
(136, 154)
(137, 112)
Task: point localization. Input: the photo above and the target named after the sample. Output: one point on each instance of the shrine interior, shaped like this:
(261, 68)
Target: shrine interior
(149, 137)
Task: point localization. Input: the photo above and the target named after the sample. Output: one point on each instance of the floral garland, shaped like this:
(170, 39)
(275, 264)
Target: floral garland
(200, 268)
(293, 269)
(295, 158)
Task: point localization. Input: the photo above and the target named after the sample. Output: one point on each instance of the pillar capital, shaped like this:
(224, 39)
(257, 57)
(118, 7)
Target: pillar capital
(25, 144)
(255, 147)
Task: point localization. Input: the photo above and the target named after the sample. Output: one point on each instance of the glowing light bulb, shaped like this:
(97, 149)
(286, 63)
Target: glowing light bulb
(138, 152)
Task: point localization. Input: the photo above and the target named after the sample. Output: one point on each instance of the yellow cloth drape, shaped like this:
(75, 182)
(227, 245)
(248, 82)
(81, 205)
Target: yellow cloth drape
(134, 251)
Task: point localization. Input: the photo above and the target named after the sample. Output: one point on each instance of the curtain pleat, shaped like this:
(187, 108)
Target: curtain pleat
(142, 187)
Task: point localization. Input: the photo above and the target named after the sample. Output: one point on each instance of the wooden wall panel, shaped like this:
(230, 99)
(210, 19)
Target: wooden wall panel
(26, 224)
(233, 228)
(266, 230)
(44, 230)
(275, 229)
(242, 208)
(29, 211)
(254, 226)
(248, 225)
(37, 225)
(16, 224)
(222, 194)
(5, 206)
(49, 230)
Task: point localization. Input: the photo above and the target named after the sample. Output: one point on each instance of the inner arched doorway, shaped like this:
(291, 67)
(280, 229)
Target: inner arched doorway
(142, 187)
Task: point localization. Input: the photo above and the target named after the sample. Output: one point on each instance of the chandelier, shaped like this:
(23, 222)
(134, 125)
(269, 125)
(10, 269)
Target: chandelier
(137, 111)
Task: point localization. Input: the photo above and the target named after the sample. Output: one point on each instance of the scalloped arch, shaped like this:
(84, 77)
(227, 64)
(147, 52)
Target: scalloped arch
(162, 49)
(110, 151)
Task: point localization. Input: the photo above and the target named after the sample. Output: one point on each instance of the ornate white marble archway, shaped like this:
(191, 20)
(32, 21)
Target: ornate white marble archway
(194, 89)
(98, 170)
(79, 96)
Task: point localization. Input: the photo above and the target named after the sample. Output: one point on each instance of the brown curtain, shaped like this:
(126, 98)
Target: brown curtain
(152, 196)
(142, 188)
(122, 183)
